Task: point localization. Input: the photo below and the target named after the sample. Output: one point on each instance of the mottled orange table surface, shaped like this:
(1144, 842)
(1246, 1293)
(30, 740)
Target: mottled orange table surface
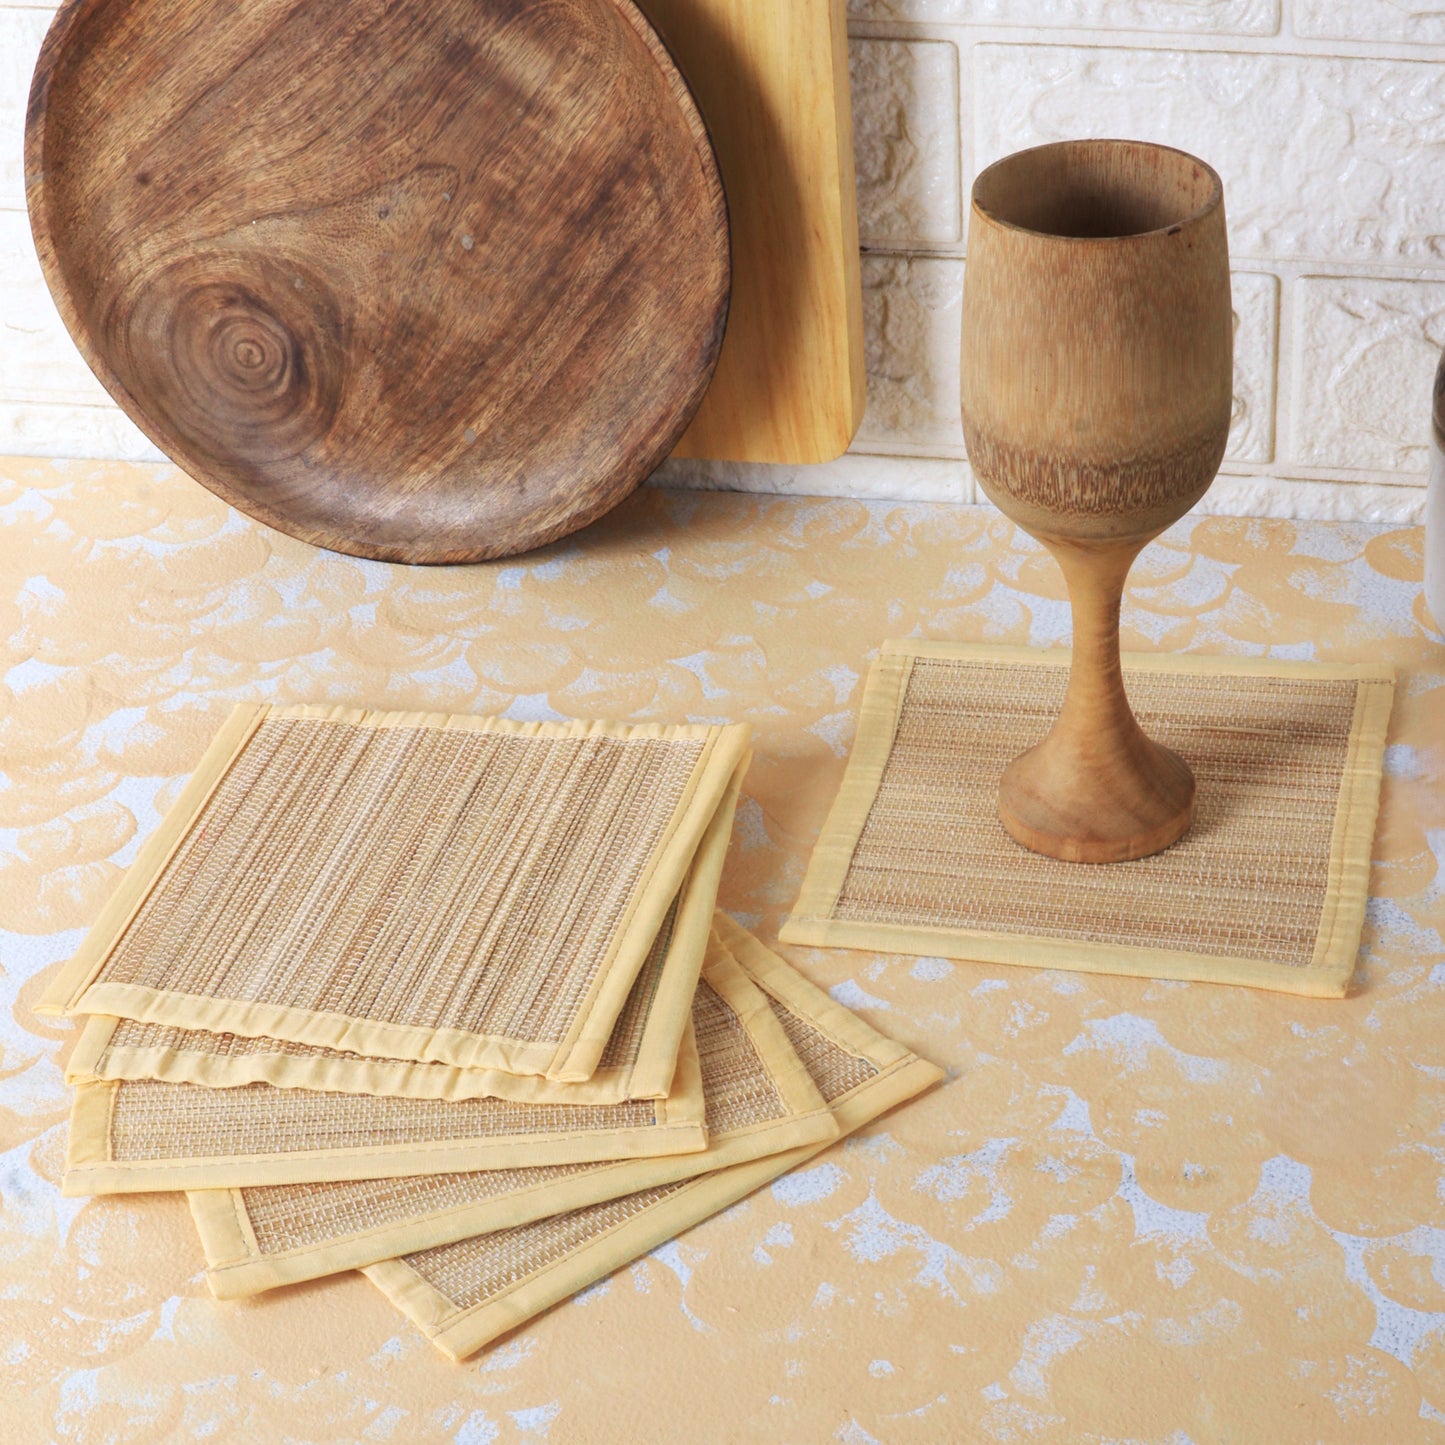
(1137, 1211)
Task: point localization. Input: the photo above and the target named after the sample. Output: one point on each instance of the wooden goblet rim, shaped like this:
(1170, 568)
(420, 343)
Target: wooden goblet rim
(1098, 190)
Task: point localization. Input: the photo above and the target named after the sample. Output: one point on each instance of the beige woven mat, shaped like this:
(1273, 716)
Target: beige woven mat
(464, 1295)
(760, 1101)
(638, 1063)
(139, 1135)
(1267, 888)
(461, 890)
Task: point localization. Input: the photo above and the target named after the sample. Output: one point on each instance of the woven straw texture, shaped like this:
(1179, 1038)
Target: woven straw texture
(460, 890)
(1268, 887)
(115, 1049)
(129, 1049)
(760, 1101)
(464, 1295)
(135, 1135)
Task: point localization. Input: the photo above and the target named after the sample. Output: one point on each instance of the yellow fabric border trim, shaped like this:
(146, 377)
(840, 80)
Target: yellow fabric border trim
(737, 983)
(91, 1168)
(650, 1076)
(305, 1026)
(68, 985)
(89, 1138)
(1327, 976)
(883, 694)
(573, 1059)
(777, 977)
(236, 1266)
(460, 1332)
(653, 1070)
(84, 1063)
(579, 1053)
(92, 1060)
(1347, 889)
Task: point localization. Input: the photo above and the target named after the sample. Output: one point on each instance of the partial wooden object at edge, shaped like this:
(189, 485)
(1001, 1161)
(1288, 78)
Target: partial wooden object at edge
(771, 80)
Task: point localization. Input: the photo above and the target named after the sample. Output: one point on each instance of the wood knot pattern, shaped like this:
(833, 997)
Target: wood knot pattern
(425, 281)
(245, 352)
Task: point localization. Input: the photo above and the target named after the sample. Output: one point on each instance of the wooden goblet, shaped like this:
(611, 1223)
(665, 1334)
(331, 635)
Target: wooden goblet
(1097, 389)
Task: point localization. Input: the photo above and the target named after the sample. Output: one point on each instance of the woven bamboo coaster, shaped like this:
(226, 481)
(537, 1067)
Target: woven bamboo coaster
(464, 1295)
(639, 1062)
(460, 890)
(122, 1049)
(760, 1101)
(141, 1135)
(1267, 888)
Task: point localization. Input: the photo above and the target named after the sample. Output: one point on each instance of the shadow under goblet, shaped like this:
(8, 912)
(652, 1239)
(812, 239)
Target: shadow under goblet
(1097, 391)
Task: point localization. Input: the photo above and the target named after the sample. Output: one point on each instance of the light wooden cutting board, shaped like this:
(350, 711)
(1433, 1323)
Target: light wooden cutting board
(771, 80)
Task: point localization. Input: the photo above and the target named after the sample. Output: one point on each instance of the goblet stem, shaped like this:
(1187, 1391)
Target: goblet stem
(1096, 790)
(1096, 709)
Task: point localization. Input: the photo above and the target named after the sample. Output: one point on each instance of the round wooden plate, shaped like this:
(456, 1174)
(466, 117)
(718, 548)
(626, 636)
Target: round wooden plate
(422, 280)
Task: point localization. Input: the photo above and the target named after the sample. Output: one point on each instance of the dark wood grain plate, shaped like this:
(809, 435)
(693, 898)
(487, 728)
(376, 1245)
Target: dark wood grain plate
(422, 280)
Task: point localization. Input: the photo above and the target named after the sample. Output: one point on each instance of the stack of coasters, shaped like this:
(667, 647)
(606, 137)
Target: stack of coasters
(464, 1295)
(392, 985)
(761, 1101)
(457, 890)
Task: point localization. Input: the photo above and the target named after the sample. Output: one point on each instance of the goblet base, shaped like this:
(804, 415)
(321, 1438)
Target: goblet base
(1096, 805)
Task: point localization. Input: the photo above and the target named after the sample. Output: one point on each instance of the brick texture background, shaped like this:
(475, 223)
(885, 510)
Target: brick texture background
(1326, 119)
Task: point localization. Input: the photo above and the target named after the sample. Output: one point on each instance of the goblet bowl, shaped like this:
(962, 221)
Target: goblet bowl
(1097, 392)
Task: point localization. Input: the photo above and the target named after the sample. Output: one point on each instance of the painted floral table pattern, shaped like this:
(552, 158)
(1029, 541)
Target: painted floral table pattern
(1136, 1212)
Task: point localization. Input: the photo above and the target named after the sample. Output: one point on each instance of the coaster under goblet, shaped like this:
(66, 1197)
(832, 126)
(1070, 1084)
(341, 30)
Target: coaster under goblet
(1097, 390)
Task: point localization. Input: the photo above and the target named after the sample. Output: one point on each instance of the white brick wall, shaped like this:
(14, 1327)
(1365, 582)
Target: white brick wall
(1326, 119)
(1418, 20)
(1356, 337)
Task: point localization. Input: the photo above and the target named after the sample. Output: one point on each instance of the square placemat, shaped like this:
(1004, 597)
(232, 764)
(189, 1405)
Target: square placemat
(760, 1101)
(639, 1062)
(462, 1296)
(461, 890)
(1267, 888)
